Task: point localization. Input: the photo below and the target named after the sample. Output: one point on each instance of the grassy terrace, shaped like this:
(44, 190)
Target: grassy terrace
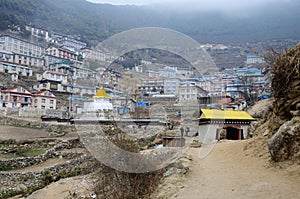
(22, 152)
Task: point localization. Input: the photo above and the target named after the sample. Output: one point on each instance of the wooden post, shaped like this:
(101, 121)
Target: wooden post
(240, 134)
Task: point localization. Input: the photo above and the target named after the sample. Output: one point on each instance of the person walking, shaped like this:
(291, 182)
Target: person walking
(187, 130)
(181, 131)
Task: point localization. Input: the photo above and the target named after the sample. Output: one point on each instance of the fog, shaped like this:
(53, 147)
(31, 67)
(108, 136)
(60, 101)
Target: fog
(203, 5)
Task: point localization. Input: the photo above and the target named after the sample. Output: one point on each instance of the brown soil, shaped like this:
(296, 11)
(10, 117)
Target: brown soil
(20, 133)
(229, 171)
(17, 133)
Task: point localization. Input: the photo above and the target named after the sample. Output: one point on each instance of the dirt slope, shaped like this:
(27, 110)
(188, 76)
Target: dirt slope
(231, 172)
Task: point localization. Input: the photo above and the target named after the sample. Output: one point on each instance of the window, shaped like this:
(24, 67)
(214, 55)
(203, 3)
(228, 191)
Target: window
(43, 100)
(43, 107)
(51, 101)
(35, 100)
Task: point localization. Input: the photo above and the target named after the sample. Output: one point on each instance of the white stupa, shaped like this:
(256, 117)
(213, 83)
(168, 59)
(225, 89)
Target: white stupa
(102, 101)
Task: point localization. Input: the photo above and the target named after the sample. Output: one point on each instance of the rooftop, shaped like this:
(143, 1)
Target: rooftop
(225, 115)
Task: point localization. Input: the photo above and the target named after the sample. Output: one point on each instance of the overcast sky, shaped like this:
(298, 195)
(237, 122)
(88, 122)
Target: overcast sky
(200, 3)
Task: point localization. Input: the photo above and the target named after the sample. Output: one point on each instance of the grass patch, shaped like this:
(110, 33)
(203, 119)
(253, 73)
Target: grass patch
(31, 152)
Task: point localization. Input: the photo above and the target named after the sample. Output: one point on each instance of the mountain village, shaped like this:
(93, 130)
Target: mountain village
(171, 119)
(57, 75)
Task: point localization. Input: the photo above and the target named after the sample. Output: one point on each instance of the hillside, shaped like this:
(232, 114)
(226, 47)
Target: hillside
(95, 22)
(278, 128)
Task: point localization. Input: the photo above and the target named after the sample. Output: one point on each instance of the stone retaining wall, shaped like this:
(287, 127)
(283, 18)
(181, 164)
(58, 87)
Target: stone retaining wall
(51, 127)
(24, 182)
(18, 163)
(20, 182)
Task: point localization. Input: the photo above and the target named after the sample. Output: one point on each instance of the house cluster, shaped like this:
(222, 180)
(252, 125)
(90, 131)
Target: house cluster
(62, 54)
(20, 97)
(55, 68)
(229, 88)
(65, 70)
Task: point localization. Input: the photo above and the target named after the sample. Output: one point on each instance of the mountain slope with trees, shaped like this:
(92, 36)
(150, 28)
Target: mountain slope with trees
(95, 22)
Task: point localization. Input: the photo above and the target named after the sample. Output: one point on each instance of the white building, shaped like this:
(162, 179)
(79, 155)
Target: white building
(19, 46)
(56, 76)
(171, 86)
(185, 71)
(28, 60)
(61, 53)
(43, 100)
(74, 43)
(38, 32)
(168, 71)
(6, 56)
(254, 59)
(16, 97)
(17, 69)
(93, 54)
(190, 93)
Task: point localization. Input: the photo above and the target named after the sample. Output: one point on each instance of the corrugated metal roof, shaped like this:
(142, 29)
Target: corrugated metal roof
(225, 114)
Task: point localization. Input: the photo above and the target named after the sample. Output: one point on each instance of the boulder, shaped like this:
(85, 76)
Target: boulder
(285, 143)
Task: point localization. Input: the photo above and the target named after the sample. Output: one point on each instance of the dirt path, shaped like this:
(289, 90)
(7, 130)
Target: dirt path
(230, 172)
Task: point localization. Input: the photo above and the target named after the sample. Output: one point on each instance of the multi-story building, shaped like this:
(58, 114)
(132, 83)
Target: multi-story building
(171, 86)
(56, 76)
(53, 85)
(79, 90)
(190, 93)
(72, 71)
(19, 46)
(254, 59)
(16, 97)
(74, 43)
(185, 71)
(20, 97)
(17, 69)
(88, 53)
(168, 71)
(61, 53)
(46, 84)
(50, 59)
(6, 56)
(151, 85)
(206, 85)
(38, 33)
(28, 60)
(43, 100)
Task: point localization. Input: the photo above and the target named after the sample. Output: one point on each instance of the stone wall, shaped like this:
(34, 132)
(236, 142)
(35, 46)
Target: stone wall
(24, 182)
(51, 127)
(20, 182)
(31, 112)
(18, 163)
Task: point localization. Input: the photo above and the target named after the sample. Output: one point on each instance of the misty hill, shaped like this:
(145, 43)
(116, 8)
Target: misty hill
(95, 22)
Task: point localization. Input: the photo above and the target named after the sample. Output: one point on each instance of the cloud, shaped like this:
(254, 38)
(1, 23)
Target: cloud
(205, 4)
